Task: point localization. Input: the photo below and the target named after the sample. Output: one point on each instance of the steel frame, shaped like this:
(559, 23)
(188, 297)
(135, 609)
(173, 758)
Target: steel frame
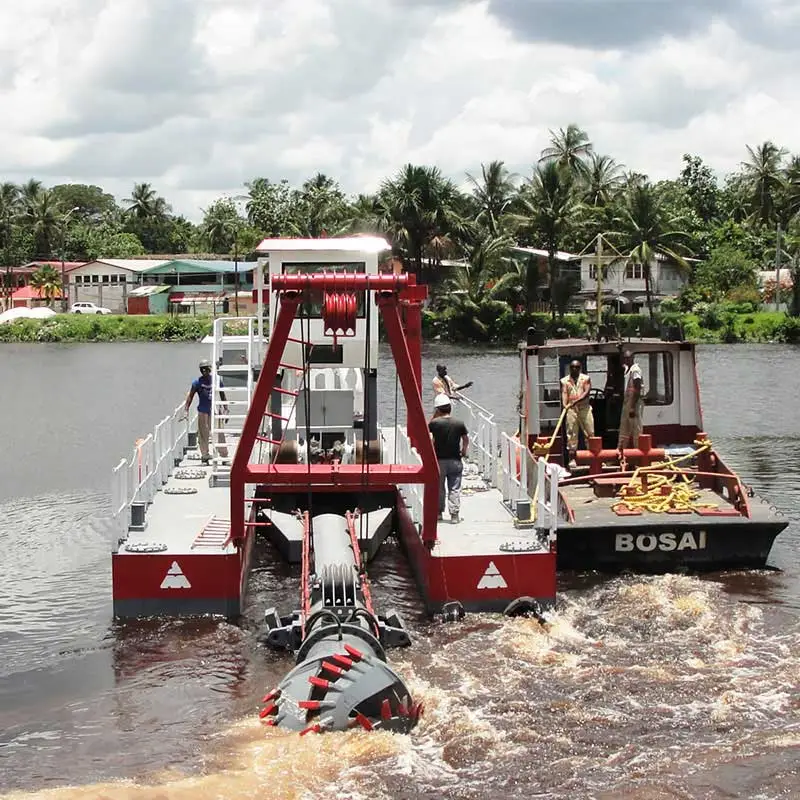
(391, 293)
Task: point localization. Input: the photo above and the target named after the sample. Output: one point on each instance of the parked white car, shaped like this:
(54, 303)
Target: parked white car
(88, 308)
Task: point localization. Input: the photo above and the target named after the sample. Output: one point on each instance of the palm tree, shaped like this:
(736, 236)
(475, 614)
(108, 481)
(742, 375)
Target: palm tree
(144, 203)
(419, 209)
(473, 289)
(646, 232)
(549, 204)
(764, 181)
(604, 178)
(43, 217)
(793, 187)
(47, 280)
(220, 226)
(494, 193)
(569, 148)
(29, 191)
(9, 211)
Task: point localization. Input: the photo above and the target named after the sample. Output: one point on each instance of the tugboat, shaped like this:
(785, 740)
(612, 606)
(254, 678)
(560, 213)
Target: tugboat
(665, 502)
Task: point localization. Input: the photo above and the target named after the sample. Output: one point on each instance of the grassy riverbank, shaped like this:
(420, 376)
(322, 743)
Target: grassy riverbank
(107, 328)
(710, 326)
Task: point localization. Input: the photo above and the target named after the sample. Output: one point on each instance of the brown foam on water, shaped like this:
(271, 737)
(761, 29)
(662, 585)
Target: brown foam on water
(258, 763)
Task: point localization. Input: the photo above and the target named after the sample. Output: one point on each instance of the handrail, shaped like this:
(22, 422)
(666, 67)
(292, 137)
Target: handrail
(412, 492)
(483, 436)
(136, 480)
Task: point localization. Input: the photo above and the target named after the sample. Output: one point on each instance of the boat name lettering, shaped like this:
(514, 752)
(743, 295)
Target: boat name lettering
(646, 542)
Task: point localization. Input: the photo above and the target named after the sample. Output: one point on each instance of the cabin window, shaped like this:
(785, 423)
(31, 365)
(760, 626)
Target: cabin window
(314, 309)
(592, 272)
(658, 376)
(633, 271)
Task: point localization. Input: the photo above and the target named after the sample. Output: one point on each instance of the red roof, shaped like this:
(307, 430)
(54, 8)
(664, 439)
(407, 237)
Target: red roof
(32, 266)
(30, 293)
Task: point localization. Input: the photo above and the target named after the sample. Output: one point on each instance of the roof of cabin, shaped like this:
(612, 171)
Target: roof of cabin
(565, 346)
(351, 244)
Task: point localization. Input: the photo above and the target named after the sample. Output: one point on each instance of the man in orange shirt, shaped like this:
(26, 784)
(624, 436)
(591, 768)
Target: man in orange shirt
(575, 390)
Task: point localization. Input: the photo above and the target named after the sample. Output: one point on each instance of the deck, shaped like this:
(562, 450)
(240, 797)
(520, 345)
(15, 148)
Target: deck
(487, 525)
(594, 512)
(188, 524)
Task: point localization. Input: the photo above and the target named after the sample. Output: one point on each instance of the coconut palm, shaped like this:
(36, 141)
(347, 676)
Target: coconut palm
(764, 181)
(792, 177)
(646, 232)
(44, 218)
(473, 290)
(494, 192)
(548, 207)
(29, 191)
(144, 203)
(47, 280)
(9, 211)
(569, 148)
(419, 210)
(604, 178)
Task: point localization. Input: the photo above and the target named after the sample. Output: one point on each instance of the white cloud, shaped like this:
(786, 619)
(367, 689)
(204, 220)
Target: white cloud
(198, 96)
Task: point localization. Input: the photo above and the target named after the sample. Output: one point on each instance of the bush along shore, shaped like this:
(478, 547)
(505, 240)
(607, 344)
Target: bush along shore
(107, 328)
(710, 323)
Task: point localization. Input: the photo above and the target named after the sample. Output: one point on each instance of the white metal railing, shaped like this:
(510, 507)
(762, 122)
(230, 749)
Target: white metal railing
(547, 503)
(136, 480)
(483, 438)
(513, 475)
(412, 492)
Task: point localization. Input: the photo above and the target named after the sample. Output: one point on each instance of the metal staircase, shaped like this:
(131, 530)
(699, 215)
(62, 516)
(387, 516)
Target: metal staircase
(236, 359)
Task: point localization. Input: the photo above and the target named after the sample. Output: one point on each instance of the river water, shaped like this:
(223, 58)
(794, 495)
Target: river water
(642, 687)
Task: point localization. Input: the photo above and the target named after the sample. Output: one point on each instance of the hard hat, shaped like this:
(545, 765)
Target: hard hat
(441, 401)
(205, 363)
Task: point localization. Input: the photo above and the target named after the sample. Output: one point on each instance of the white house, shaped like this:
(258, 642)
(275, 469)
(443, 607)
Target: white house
(623, 281)
(107, 282)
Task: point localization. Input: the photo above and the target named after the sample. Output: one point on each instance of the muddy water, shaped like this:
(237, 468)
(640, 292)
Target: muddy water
(665, 687)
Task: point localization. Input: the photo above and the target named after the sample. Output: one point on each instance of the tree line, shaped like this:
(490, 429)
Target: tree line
(572, 194)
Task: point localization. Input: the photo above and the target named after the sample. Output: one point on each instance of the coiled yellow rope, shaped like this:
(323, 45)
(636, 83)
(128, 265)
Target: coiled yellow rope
(674, 493)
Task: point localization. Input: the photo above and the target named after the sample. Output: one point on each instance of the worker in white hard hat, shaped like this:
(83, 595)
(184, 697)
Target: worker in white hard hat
(203, 388)
(450, 443)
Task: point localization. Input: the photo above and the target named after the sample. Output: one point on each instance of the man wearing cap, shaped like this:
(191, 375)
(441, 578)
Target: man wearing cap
(444, 384)
(202, 387)
(450, 443)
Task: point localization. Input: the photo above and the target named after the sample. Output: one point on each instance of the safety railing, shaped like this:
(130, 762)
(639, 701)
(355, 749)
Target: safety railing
(137, 479)
(547, 503)
(483, 437)
(513, 476)
(411, 492)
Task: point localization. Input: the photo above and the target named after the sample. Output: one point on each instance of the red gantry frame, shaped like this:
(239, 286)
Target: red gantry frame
(393, 294)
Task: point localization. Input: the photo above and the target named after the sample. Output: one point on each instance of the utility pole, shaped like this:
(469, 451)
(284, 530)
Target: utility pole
(236, 268)
(778, 268)
(598, 270)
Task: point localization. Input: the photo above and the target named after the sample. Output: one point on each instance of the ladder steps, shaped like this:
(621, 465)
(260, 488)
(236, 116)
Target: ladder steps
(290, 366)
(276, 416)
(268, 440)
(284, 391)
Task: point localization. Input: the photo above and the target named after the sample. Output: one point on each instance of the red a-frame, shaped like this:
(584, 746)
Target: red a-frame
(392, 292)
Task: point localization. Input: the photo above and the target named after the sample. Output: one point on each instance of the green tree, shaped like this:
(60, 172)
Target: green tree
(494, 192)
(44, 219)
(91, 203)
(646, 232)
(420, 210)
(701, 187)
(269, 207)
(763, 181)
(726, 269)
(570, 148)
(48, 281)
(318, 208)
(548, 207)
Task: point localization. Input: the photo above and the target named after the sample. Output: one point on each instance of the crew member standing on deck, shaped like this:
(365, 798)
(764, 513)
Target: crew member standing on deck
(575, 390)
(630, 423)
(444, 384)
(450, 443)
(202, 387)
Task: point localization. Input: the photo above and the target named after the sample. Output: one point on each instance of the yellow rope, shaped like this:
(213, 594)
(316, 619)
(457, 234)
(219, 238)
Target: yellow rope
(664, 492)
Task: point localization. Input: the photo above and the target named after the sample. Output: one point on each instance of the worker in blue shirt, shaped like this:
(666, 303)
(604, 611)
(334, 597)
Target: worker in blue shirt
(202, 387)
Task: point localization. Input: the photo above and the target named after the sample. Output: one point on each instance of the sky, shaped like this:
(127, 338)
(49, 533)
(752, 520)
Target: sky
(199, 96)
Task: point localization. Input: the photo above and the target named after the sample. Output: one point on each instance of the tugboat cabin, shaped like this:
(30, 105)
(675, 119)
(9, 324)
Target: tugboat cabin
(672, 413)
